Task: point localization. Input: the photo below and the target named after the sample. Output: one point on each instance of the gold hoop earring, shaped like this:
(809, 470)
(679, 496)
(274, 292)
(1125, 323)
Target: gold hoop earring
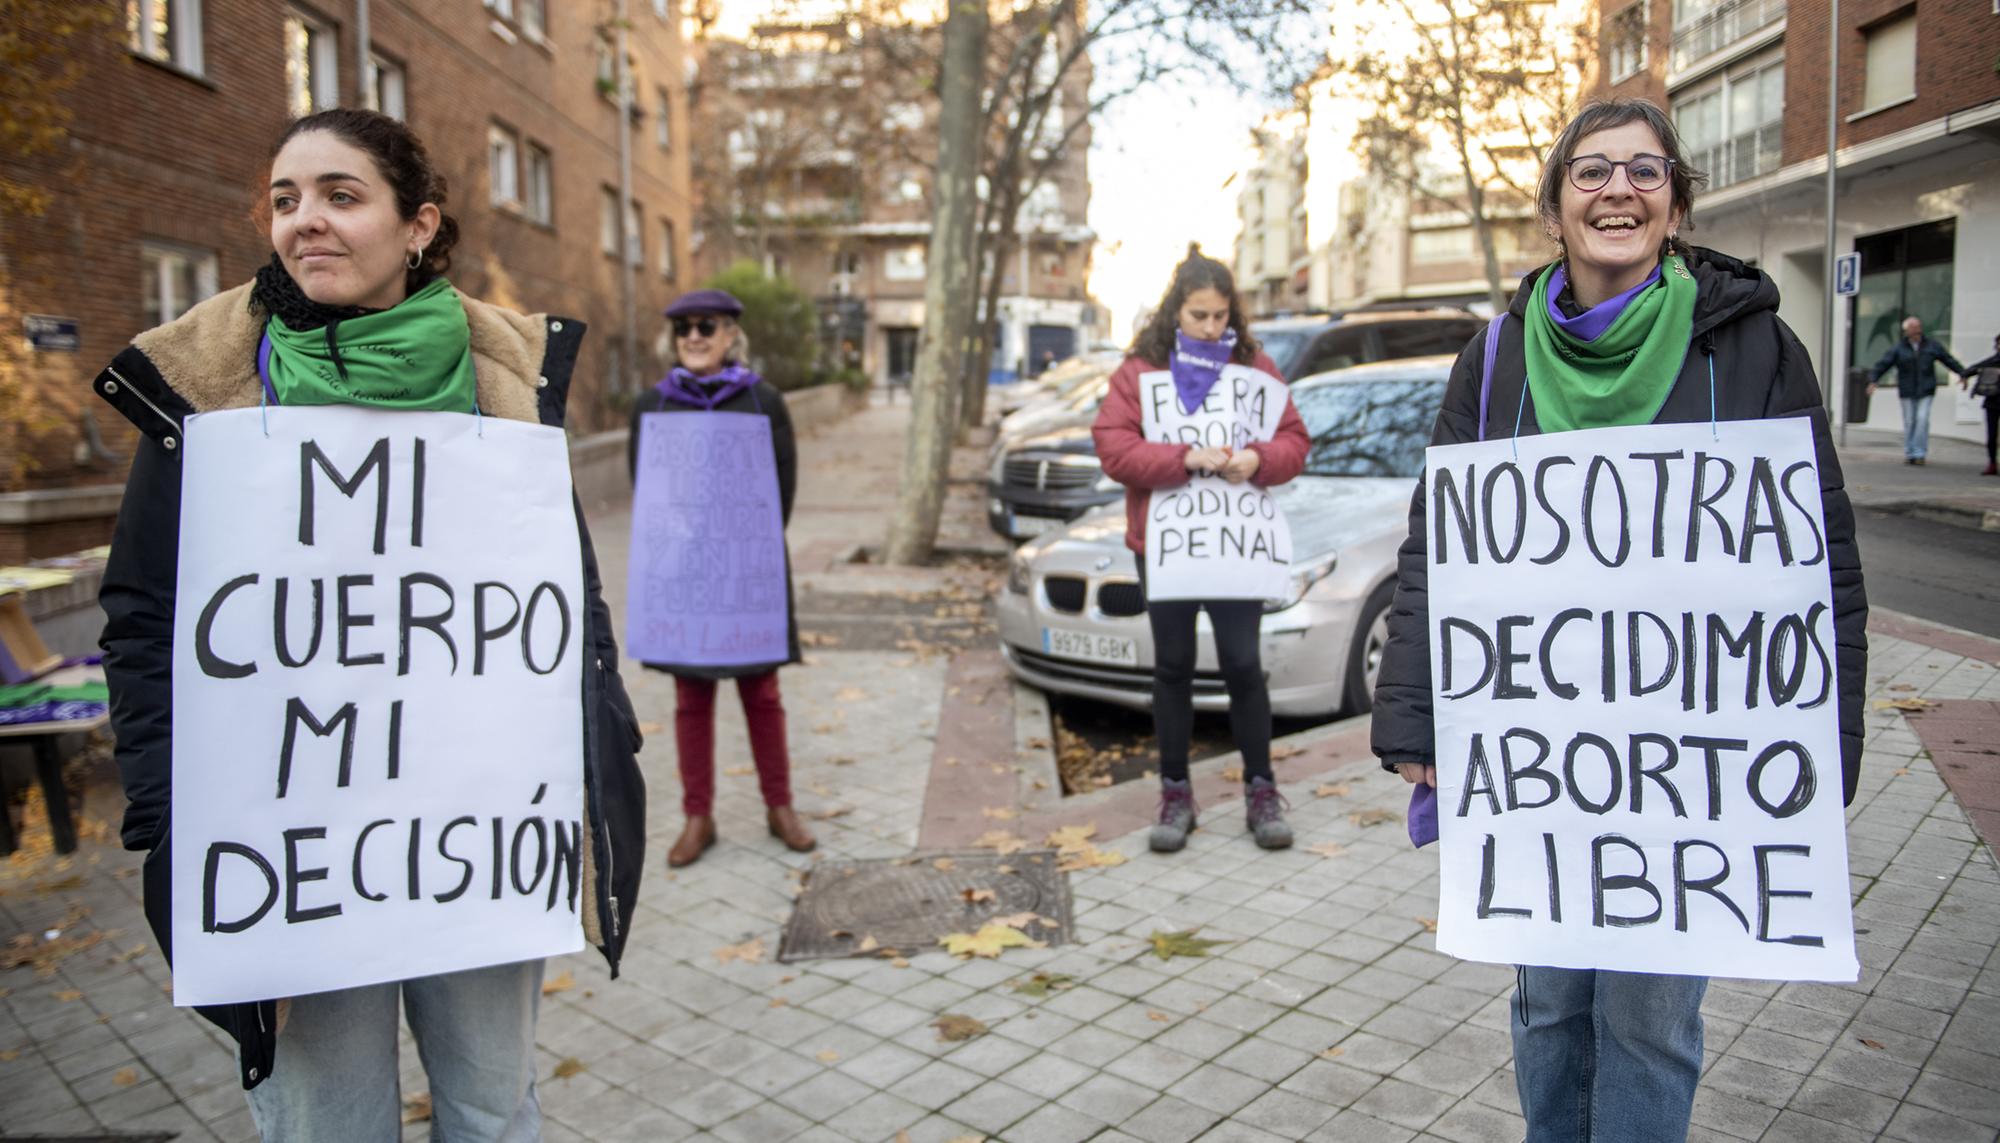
(415, 259)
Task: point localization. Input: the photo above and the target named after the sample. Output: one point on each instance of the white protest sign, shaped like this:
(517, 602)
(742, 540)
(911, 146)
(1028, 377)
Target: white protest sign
(1210, 539)
(378, 717)
(1632, 668)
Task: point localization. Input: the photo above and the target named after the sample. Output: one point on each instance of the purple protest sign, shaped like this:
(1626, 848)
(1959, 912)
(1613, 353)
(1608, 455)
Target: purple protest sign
(707, 579)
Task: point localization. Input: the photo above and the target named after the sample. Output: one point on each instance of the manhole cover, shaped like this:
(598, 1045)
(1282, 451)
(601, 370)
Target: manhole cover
(910, 904)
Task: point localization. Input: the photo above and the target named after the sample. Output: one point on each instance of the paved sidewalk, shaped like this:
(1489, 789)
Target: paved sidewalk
(1948, 489)
(1327, 1016)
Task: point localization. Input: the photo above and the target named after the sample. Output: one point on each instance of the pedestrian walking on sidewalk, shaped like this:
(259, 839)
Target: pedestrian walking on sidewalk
(705, 349)
(353, 309)
(1622, 330)
(1199, 328)
(1982, 379)
(1915, 359)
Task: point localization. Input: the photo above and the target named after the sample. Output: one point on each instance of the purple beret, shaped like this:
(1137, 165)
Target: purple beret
(705, 302)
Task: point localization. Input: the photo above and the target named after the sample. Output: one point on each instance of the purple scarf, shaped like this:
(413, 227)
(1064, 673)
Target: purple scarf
(706, 392)
(1591, 323)
(1196, 365)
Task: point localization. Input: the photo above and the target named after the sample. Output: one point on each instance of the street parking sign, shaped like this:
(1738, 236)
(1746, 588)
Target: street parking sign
(1847, 275)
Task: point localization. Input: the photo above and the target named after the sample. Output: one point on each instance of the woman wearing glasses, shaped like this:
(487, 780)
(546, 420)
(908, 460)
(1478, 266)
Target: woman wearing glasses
(707, 349)
(1621, 330)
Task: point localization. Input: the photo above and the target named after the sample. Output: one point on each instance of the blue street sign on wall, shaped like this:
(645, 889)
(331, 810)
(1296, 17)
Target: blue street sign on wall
(50, 334)
(1847, 275)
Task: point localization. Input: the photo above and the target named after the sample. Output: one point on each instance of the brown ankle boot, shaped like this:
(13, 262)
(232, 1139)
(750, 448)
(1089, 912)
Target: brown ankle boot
(786, 827)
(696, 837)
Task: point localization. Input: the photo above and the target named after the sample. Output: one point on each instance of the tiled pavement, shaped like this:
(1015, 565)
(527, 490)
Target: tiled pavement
(1328, 1016)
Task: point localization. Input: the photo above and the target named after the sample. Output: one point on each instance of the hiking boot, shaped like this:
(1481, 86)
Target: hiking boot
(1266, 815)
(1177, 813)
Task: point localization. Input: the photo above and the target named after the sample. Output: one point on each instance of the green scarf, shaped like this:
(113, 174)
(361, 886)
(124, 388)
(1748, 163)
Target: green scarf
(413, 357)
(1623, 376)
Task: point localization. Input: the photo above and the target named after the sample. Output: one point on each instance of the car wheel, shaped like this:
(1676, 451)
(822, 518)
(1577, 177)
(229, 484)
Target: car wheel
(1364, 658)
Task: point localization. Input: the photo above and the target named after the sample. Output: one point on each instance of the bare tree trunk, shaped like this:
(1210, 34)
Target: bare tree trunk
(948, 291)
(980, 352)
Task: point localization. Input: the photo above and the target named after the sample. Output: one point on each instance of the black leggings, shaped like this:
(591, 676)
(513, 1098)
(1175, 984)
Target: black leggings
(1992, 427)
(1236, 648)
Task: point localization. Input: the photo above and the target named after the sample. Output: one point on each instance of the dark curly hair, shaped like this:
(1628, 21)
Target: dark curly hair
(1155, 342)
(404, 163)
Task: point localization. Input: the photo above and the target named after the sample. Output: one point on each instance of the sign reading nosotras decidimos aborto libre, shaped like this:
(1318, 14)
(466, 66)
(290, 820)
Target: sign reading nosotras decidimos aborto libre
(1632, 666)
(378, 735)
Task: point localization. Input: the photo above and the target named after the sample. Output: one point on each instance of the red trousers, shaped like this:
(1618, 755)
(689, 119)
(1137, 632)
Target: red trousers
(694, 733)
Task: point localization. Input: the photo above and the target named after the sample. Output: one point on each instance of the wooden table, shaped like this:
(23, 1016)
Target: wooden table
(43, 737)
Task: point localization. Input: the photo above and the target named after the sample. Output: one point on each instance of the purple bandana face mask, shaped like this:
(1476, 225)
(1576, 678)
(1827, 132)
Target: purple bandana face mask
(706, 392)
(1196, 365)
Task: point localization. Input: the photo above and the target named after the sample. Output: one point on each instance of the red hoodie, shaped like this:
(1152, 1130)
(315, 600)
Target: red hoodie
(1142, 465)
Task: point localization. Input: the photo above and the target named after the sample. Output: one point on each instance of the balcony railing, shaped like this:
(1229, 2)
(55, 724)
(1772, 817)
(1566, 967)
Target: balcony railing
(1754, 152)
(1721, 26)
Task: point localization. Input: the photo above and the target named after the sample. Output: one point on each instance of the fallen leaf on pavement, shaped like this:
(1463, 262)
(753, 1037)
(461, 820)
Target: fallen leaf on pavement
(1906, 704)
(868, 944)
(67, 994)
(966, 1139)
(1333, 790)
(1167, 946)
(645, 728)
(999, 813)
(1430, 924)
(417, 1108)
(1373, 817)
(1280, 753)
(1158, 1017)
(749, 952)
(1038, 743)
(828, 815)
(819, 639)
(943, 864)
(739, 771)
(1042, 983)
(975, 896)
(1903, 687)
(1334, 1052)
(129, 955)
(899, 962)
(1232, 773)
(989, 941)
(840, 760)
(850, 694)
(10, 1055)
(1001, 842)
(827, 1055)
(953, 1027)
(1070, 838)
(125, 1077)
(778, 1002)
(1327, 849)
(570, 1066)
(562, 983)
(1871, 1044)
(1089, 857)
(1003, 870)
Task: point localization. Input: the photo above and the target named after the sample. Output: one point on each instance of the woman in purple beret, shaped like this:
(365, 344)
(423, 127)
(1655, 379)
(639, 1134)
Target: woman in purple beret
(707, 349)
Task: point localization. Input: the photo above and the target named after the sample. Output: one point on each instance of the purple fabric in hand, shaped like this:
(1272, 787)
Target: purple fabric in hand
(1423, 815)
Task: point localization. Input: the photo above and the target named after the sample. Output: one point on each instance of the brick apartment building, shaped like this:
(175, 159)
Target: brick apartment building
(152, 190)
(1918, 159)
(817, 147)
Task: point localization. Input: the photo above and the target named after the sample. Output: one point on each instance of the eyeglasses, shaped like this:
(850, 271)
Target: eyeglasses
(704, 326)
(1645, 172)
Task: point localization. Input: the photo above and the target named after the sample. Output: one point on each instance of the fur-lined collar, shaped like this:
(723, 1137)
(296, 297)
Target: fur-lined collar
(209, 354)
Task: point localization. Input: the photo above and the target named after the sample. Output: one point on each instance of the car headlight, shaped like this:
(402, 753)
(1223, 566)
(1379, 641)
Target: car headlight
(1303, 577)
(1017, 572)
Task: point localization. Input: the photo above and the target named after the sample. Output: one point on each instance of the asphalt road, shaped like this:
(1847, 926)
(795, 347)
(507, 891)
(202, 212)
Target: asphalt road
(1933, 571)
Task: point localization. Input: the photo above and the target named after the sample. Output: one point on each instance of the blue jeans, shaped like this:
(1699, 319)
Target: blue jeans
(1607, 1057)
(1917, 425)
(335, 1076)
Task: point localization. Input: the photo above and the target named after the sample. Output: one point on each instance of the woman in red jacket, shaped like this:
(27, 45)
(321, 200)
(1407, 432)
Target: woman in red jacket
(1199, 329)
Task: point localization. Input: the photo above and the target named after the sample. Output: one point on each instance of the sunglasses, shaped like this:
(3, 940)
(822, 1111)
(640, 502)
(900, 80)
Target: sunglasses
(1645, 172)
(703, 326)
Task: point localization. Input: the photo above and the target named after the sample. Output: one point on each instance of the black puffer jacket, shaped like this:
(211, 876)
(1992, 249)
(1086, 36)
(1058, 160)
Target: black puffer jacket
(765, 400)
(207, 360)
(1761, 371)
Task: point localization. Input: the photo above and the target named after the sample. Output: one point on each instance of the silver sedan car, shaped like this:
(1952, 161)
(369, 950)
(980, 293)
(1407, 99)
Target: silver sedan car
(1073, 617)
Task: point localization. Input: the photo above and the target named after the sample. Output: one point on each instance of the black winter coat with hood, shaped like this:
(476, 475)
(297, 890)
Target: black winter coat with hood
(1761, 370)
(207, 360)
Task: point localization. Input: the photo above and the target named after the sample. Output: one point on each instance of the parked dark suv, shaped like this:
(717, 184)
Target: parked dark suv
(1039, 483)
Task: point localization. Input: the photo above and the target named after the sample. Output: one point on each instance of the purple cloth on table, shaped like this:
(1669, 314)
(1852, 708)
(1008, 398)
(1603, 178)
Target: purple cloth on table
(707, 581)
(51, 712)
(1423, 815)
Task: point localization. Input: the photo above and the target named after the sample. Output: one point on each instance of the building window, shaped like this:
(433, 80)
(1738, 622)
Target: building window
(503, 166)
(1450, 244)
(1892, 63)
(846, 262)
(501, 8)
(1051, 263)
(1733, 128)
(312, 79)
(635, 240)
(904, 263)
(541, 186)
(387, 91)
(1625, 41)
(607, 222)
(175, 278)
(663, 119)
(533, 18)
(667, 248)
(166, 30)
(660, 10)
(1904, 273)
